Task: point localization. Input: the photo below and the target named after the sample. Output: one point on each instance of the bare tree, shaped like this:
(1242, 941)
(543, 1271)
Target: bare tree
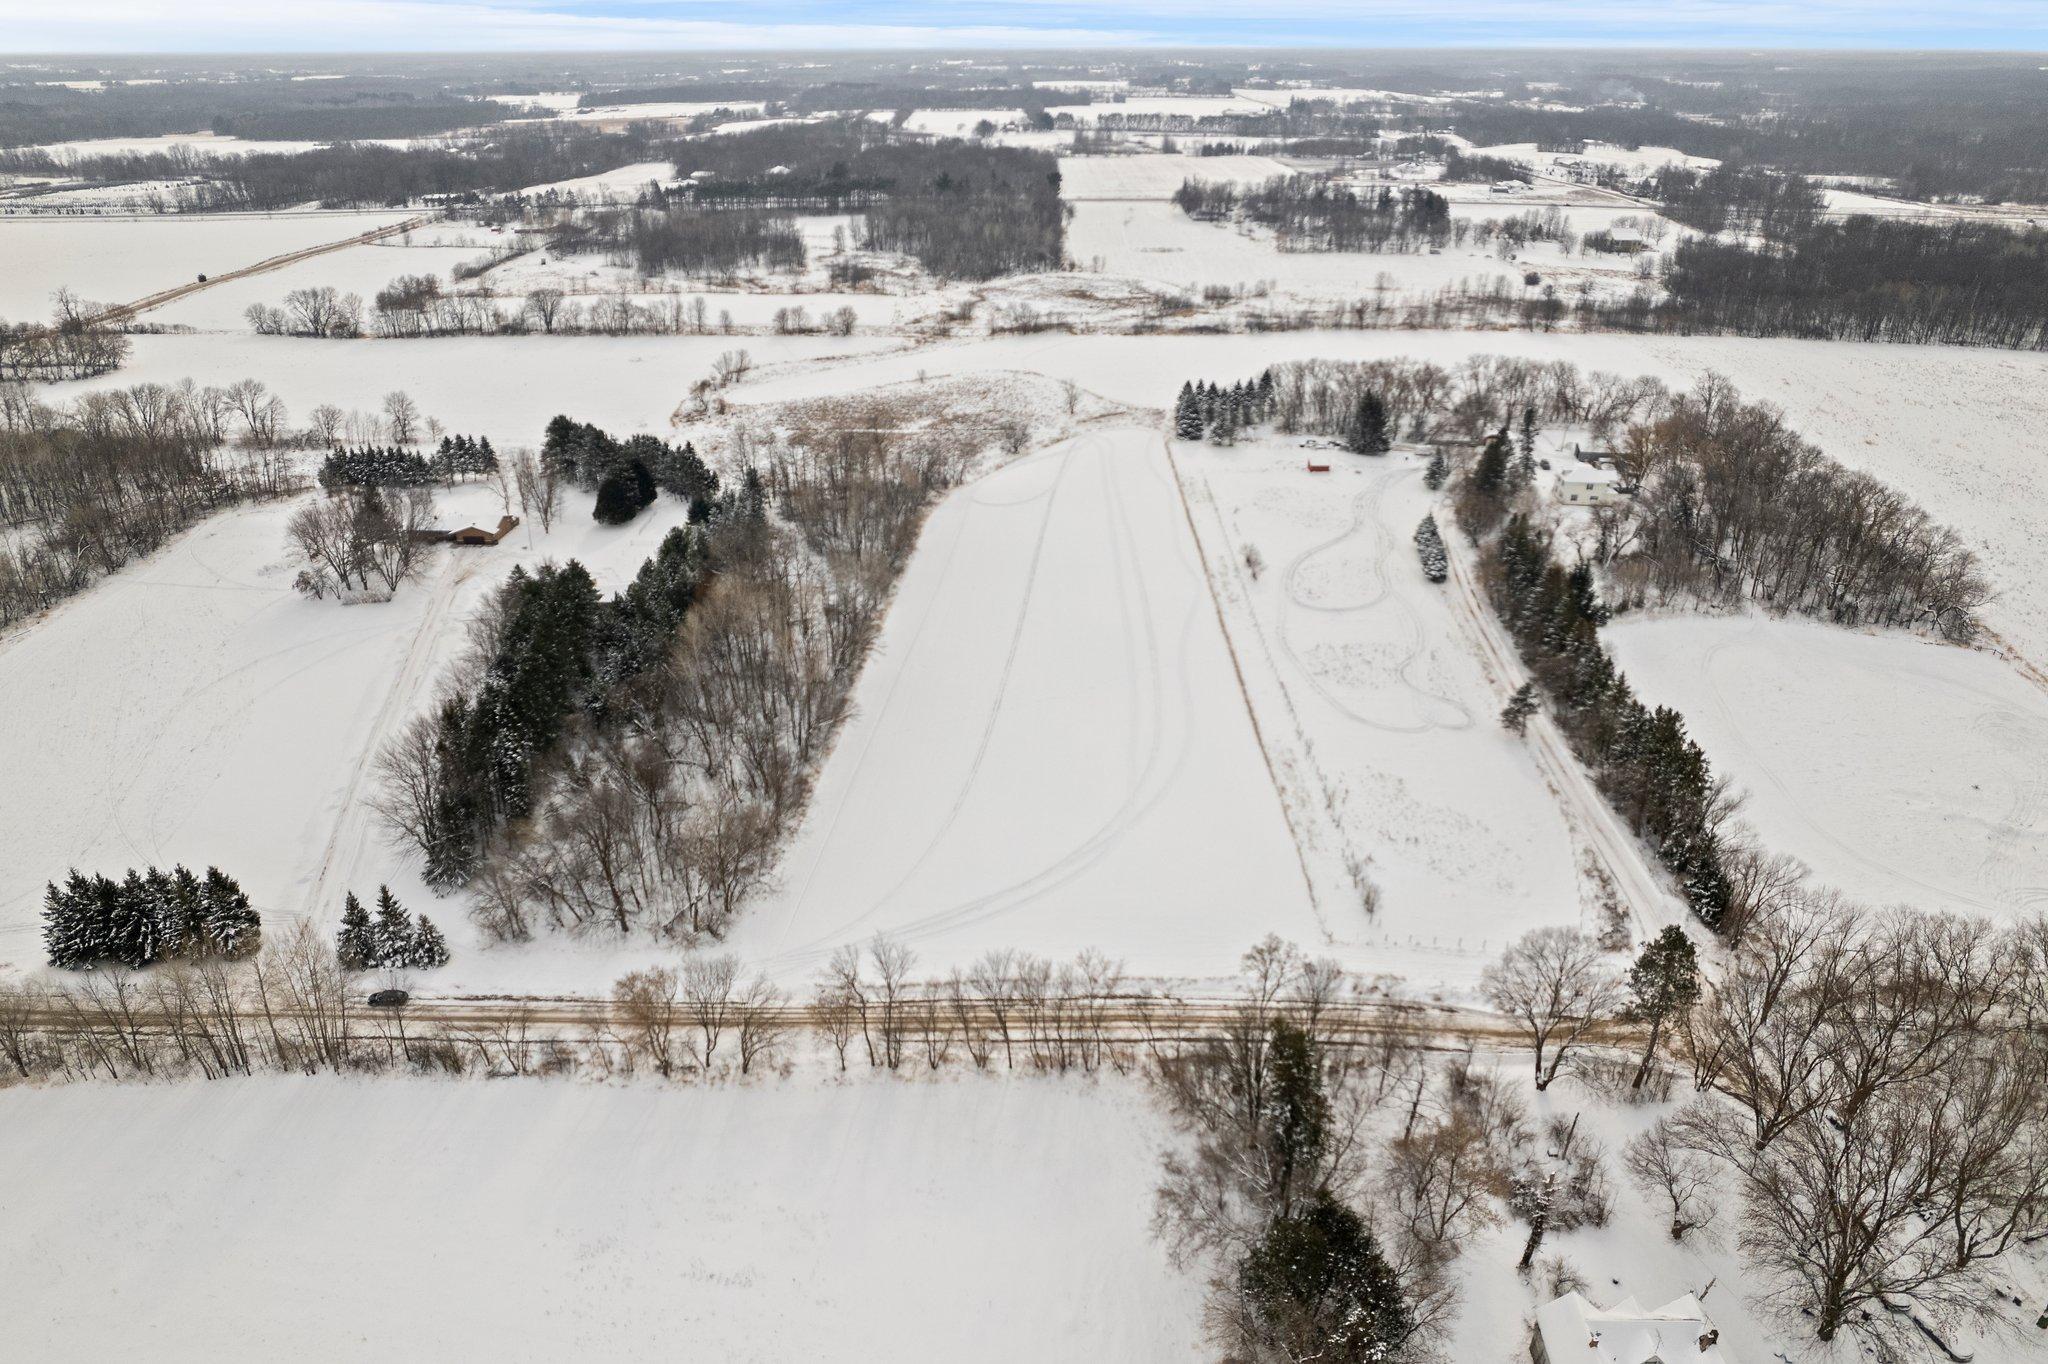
(401, 417)
(323, 424)
(651, 1013)
(1556, 982)
(708, 985)
(1664, 1164)
(892, 962)
(759, 1024)
(544, 306)
(539, 487)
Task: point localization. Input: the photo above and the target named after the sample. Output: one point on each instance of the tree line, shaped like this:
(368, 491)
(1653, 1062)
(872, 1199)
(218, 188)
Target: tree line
(1640, 756)
(148, 916)
(1733, 506)
(1308, 213)
(78, 342)
(1864, 279)
(964, 210)
(90, 486)
(660, 808)
(688, 240)
(389, 466)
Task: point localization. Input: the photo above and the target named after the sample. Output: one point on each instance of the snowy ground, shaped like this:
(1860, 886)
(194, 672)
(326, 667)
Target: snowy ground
(1634, 1255)
(1157, 177)
(1049, 750)
(1902, 771)
(1124, 225)
(886, 845)
(360, 270)
(1369, 679)
(1955, 428)
(992, 1218)
(1636, 160)
(503, 387)
(118, 260)
(232, 721)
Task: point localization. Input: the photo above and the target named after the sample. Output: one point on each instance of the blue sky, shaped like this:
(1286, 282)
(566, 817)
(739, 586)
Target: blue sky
(502, 25)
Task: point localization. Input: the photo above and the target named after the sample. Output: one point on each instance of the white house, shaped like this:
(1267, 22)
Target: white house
(1588, 485)
(1572, 1330)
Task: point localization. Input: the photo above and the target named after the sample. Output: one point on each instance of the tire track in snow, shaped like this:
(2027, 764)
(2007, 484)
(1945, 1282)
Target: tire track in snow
(1366, 507)
(1147, 790)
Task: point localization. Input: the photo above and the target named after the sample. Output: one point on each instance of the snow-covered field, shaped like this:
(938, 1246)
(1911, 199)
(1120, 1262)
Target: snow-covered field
(503, 387)
(967, 1217)
(1049, 750)
(198, 144)
(955, 122)
(361, 270)
(1900, 770)
(1955, 428)
(666, 110)
(1638, 160)
(1125, 226)
(1157, 177)
(1369, 679)
(625, 183)
(1039, 751)
(118, 260)
(232, 721)
(1167, 106)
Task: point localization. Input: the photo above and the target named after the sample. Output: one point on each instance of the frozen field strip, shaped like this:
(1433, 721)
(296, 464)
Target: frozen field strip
(1049, 749)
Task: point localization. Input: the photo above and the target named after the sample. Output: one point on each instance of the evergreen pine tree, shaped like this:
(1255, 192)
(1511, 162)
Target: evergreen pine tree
(138, 919)
(1515, 715)
(1224, 430)
(429, 950)
(1298, 1115)
(1187, 414)
(1317, 1287)
(391, 934)
(70, 936)
(1664, 983)
(1369, 426)
(232, 928)
(355, 941)
(1429, 545)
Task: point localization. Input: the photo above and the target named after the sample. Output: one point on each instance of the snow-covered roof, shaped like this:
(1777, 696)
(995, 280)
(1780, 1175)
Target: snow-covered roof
(1576, 1332)
(1588, 475)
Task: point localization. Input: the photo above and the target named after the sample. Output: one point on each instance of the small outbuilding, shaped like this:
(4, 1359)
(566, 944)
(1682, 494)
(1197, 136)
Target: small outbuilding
(1572, 1330)
(477, 535)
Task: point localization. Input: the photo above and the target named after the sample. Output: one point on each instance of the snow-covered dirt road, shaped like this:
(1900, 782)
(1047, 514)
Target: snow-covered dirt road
(1049, 749)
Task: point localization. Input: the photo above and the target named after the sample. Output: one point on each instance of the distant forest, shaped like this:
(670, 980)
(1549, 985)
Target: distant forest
(1310, 214)
(362, 175)
(964, 210)
(267, 110)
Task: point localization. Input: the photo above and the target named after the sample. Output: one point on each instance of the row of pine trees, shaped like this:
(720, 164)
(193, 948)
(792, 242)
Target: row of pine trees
(1207, 410)
(390, 466)
(148, 916)
(1641, 757)
(391, 941)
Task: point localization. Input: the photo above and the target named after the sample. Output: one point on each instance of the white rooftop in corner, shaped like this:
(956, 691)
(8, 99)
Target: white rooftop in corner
(1572, 1330)
(1588, 485)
